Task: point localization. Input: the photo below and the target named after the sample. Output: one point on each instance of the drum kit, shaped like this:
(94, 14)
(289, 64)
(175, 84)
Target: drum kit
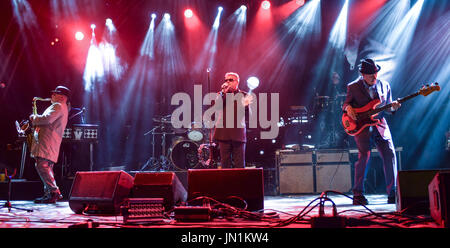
(188, 148)
(326, 115)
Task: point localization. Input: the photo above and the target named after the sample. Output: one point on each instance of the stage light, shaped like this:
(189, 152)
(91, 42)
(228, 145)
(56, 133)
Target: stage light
(79, 35)
(188, 13)
(166, 16)
(93, 26)
(109, 24)
(243, 7)
(252, 83)
(265, 4)
(153, 16)
(300, 2)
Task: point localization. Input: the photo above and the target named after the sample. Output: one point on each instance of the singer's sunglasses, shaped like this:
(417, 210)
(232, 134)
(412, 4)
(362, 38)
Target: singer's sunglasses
(230, 80)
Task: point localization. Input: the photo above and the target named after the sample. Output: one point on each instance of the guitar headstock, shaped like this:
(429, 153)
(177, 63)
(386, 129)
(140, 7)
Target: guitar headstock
(428, 89)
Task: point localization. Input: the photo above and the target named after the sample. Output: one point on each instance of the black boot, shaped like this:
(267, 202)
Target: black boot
(49, 197)
(360, 200)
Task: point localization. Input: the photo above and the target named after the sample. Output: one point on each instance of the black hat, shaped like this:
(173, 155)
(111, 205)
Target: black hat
(368, 66)
(62, 90)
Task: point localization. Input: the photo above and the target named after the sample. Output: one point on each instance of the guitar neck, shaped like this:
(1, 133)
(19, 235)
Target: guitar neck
(400, 100)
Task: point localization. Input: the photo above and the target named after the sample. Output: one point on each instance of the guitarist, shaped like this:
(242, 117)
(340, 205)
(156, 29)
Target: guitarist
(49, 129)
(359, 93)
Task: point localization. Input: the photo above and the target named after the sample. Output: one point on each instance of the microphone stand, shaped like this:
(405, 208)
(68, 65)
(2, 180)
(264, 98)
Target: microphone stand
(8, 201)
(211, 158)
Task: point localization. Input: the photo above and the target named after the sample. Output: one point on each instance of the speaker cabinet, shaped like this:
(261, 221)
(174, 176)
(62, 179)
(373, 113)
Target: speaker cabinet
(164, 185)
(412, 191)
(303, 172)
(100, 192)
(295, 172)
(336, 177)
(439, 196)
(333, 170)
(296, 179)
(228, 186)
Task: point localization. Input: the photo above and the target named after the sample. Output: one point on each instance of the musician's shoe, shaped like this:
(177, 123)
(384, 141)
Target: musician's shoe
(51, 197)
(360, 200)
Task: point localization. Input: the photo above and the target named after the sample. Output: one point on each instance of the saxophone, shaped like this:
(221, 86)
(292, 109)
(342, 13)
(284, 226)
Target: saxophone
(25, 127)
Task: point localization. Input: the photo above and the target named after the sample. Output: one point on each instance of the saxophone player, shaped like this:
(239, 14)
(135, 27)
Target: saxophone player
(48, 131)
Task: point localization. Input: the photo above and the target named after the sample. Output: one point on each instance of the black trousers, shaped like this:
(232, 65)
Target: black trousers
(232, 154)
(387, 153)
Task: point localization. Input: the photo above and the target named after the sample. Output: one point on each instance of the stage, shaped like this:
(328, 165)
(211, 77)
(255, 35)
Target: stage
(279, 212)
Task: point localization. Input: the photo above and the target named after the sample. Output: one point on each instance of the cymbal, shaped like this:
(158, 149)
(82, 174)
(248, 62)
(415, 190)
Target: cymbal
(319, 97)
(162, 119)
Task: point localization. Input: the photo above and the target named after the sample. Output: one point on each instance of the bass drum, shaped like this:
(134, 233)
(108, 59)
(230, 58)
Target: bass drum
(183, 154)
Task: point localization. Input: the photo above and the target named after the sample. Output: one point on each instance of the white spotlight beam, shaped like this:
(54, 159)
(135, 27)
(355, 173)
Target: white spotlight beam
(206, 58)
(147, 47)
(339, 32)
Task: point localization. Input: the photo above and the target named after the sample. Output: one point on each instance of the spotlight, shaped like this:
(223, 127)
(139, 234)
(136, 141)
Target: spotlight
(109, 22)
(188, 13)
(166, 16)
(93, 26)
(300, 2)
(252, 83)
(153, 16)
(79, 35)
(265, 4)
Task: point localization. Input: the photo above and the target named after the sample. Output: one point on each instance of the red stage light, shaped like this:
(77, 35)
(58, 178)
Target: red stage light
(265, 4)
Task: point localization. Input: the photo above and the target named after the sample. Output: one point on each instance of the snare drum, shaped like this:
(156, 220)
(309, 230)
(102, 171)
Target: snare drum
(195, 134)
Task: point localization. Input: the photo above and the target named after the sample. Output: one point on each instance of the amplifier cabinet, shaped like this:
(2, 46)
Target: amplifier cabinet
(295, 172)
(333, 170)
(313, 171)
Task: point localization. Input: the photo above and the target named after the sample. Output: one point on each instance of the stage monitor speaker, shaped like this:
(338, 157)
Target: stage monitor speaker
(229, 186)
(99, 191)
(159, 185)
(439, 196)
(412, 191)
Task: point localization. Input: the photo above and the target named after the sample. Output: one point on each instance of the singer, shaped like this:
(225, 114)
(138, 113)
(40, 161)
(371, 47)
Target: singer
(232, 139)
(48, 131)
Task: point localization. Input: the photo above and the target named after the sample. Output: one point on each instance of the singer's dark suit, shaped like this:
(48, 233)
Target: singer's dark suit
(231, 140)
(358, 95)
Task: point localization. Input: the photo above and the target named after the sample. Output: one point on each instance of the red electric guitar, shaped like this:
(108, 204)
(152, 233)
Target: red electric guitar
(365, 115)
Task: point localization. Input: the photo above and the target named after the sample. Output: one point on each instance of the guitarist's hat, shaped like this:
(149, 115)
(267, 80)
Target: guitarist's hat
(368, 66)
(62, 90)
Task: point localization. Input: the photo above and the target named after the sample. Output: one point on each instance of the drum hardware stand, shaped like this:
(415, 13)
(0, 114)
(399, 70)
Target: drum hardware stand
(8, 201)
(161, 164)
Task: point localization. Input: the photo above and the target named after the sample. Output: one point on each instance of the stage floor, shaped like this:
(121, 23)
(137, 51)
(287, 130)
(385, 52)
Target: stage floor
(293, 211)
